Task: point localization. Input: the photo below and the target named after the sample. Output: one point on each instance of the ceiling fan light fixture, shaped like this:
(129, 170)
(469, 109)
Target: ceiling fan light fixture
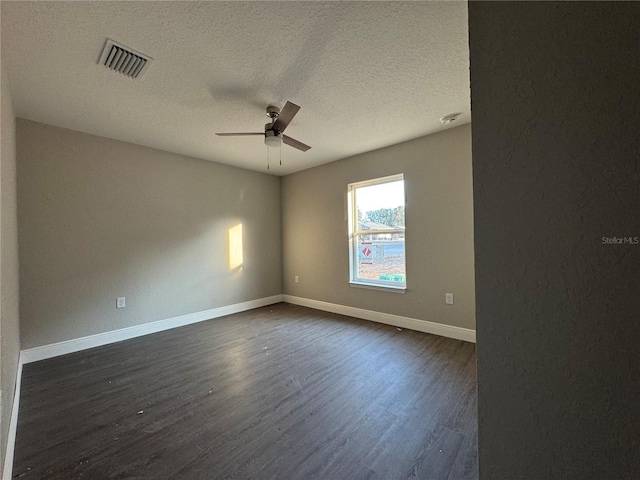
(272, 140)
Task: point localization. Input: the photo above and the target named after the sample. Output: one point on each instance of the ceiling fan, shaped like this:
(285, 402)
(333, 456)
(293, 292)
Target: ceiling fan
(273, 136)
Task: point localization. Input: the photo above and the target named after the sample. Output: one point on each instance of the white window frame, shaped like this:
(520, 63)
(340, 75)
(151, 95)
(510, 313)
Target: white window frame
(354, 231)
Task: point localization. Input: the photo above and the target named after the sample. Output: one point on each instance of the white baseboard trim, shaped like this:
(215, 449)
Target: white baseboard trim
(7, 471)
(458, 333)
(74, 345)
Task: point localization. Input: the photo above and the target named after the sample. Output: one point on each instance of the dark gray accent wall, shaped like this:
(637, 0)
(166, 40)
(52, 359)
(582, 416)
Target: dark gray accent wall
(9, 291)
(556, 166)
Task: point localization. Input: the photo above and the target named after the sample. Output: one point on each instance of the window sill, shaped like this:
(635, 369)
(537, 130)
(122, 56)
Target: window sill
(382, 288)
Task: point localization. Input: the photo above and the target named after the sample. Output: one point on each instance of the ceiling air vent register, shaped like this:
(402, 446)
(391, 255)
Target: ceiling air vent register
(124, 60)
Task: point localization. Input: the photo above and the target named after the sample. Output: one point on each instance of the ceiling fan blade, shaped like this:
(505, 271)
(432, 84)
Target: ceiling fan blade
(239, 134)
(292, 142)
(286, 115)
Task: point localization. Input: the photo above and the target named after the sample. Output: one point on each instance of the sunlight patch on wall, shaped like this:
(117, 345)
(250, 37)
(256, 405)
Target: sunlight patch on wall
(235, 247)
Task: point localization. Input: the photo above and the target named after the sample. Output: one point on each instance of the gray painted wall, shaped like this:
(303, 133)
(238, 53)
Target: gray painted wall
(556, 166)
(9, 301)
(439, 238)
(101, 219)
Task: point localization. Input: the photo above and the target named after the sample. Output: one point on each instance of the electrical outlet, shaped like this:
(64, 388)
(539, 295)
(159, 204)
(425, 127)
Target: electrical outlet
(120, 302)
(448, 298)
(296, 278)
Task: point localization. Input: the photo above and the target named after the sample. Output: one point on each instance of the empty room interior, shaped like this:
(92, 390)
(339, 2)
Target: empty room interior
(267, 240)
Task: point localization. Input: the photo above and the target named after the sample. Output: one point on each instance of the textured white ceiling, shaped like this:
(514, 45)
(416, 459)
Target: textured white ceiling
(366, 74)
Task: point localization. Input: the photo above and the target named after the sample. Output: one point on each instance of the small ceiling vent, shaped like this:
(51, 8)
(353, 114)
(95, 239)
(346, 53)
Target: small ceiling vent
(124, 60)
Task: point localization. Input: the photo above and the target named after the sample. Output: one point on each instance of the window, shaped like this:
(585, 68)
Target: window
(376, 233)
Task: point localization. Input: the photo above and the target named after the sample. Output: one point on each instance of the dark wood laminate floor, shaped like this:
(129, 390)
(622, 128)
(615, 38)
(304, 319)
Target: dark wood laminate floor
(280, 392)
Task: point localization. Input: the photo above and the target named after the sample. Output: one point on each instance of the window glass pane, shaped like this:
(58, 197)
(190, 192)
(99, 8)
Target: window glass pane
(380, 206)
(381, 257)
(376, 217)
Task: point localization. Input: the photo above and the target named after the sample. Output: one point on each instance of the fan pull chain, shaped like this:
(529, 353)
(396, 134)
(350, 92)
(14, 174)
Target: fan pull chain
(267, 158)
(280, 154)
